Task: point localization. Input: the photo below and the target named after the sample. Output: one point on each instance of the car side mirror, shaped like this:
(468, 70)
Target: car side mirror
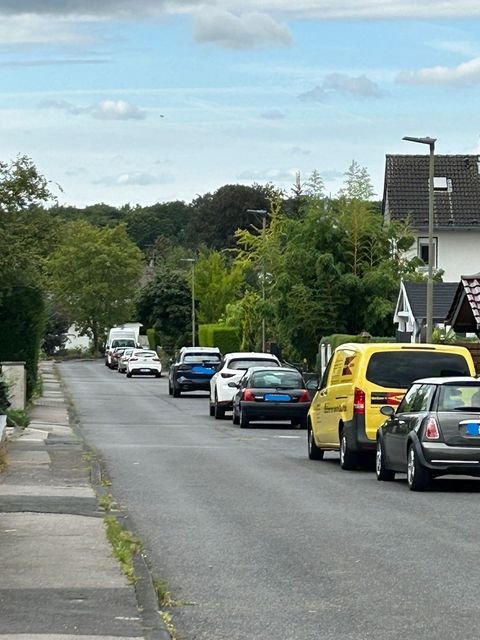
(312, 384)
(388, 411)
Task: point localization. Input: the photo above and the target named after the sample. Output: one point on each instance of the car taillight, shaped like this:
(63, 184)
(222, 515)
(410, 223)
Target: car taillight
(133, 359)
(227, 375)
(432, 431)
(358, 401)
(156, 359)
(248, 395)
(304, 397)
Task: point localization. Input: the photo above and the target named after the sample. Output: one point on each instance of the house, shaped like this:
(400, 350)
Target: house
(464, 312)
(411, 310)
(456, 210)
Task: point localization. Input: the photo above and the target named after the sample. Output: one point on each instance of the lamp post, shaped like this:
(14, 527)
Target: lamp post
(263, 213)
(192, 262)
(431, 144)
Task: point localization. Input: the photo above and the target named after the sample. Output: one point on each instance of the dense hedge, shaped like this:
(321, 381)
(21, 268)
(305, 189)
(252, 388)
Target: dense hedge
(22, 324)
(227, 339)
(152, 339)
(4, 402)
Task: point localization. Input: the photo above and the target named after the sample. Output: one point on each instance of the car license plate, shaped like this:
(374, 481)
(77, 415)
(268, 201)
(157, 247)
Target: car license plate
(472, 429)
(144, 370)
(202, 370)
(277, 397)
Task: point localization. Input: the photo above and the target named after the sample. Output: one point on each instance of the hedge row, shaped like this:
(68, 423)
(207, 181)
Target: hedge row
(22, 322)
(227, 339)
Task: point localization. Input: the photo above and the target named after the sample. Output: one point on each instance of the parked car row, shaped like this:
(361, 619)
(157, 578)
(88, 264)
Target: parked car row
(253, 386)
(390, 401)
(133, 361)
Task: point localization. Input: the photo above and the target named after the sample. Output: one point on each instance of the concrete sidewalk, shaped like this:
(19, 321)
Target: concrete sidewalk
(58, 577)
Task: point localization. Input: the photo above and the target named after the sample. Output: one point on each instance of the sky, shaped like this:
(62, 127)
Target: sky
(145, 101)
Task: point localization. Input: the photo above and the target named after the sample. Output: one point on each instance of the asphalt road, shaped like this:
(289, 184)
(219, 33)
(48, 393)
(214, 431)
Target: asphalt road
(266, 545)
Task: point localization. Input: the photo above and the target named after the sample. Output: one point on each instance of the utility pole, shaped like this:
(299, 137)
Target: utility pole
(263, 213)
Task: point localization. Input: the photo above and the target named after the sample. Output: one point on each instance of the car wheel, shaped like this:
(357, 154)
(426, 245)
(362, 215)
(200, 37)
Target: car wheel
(158, 374)
(218, 411)
(129, 374)
(170, 390)
(235, 416)
(380, 469)
(348, 458)
(418, 478)
(243, 421)
(176, 391)
(211, 408)
(314, 452)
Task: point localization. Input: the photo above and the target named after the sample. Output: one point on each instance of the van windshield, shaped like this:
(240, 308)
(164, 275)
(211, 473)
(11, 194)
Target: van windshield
(398, 369)
(123, 343)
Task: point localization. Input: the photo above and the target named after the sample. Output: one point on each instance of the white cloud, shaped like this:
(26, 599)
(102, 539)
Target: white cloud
(269, 175)
(117, 110)
(133, 178)
(342, 84)
(463, 74)
(324, 10)
(36, 29)
(246, 31)
(104, 110)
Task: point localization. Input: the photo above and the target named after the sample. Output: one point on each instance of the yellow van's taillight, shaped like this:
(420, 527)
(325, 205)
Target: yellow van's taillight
(358, 401)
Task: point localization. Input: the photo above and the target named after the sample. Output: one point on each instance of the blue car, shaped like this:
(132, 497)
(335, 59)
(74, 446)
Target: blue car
(193, 369)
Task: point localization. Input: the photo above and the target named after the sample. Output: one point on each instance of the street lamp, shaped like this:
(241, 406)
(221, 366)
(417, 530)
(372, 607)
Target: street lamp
(431, 144)
(263, 213)
(192, 262)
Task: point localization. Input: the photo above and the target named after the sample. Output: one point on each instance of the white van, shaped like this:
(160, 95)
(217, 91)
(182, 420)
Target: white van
(118, 337)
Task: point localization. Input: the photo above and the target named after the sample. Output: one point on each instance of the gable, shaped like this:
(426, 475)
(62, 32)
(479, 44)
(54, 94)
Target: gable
(464, 312)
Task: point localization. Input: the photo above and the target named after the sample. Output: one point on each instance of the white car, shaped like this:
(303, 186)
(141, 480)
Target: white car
(143, 362)
(232, 369)
(122, 361)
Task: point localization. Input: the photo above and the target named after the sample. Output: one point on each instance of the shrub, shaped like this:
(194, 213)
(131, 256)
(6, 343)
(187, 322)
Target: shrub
(152, 339)
(227, 339)
(4, 402)
(22, 318)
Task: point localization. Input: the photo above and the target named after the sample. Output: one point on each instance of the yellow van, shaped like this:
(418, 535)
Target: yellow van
(361, 378)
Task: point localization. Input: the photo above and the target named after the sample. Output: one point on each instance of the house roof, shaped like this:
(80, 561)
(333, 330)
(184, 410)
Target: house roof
(464, 312)
(406, 190)
(443, 294)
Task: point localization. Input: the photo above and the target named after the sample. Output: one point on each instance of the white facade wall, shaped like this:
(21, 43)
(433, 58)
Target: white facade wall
(457, 252)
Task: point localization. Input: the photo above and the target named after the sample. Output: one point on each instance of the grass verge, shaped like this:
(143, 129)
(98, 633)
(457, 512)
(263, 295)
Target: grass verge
(125, 545)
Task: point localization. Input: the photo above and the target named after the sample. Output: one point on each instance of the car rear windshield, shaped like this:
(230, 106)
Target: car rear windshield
(457, 397)
(398, 369)
(202, 357)
(246, 363)
(276, 379)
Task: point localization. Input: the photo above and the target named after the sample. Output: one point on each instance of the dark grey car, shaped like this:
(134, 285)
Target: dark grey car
(270, 393)
(435, 431)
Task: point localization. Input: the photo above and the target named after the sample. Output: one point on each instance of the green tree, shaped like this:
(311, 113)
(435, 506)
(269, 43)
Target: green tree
(168, 220)
(164, 304)
(357, 183)
(94, 274)
(218, 282)
(27, 233)
(216, 216)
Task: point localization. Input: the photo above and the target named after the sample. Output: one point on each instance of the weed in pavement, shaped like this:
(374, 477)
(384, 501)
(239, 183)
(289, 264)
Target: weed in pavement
(125, 546)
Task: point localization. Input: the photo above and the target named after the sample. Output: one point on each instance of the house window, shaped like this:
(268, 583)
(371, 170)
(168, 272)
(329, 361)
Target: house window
(423, 251)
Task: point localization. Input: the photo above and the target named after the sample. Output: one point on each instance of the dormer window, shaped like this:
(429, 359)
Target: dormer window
(442, 184)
